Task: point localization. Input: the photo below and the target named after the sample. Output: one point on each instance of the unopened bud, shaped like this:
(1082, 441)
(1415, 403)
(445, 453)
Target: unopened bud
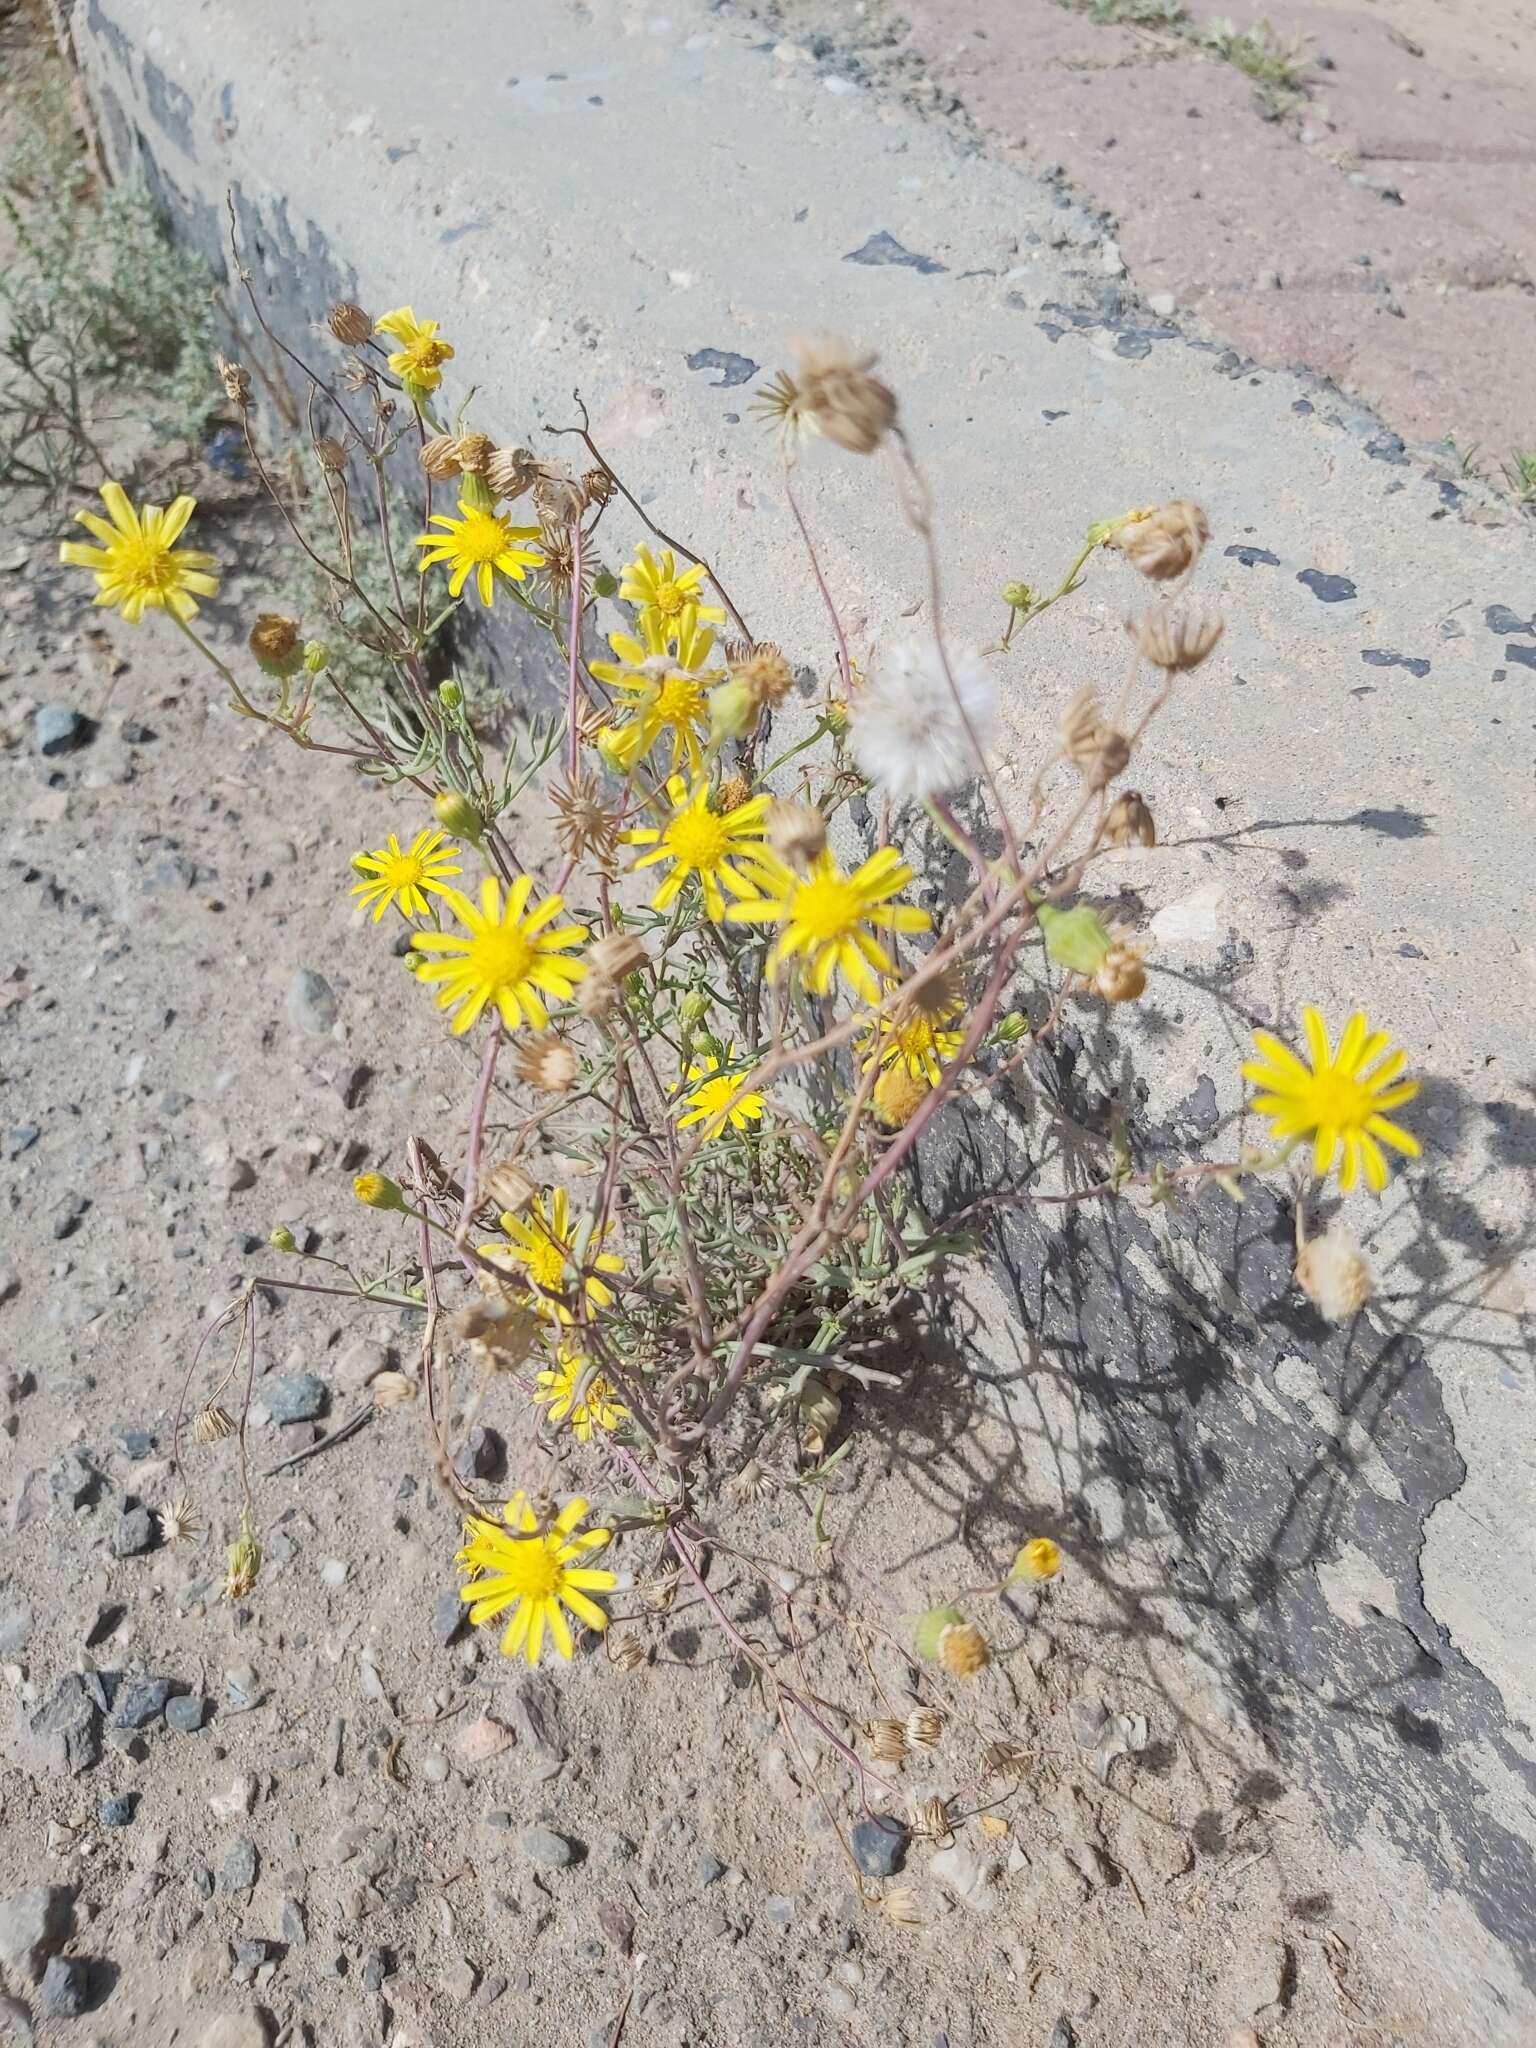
(732, 711)
(350, 324)
(1018, 596)
(1076, 939)
(1012, 1028)
(317, 657)
(449, 695)
(377, 1191)
(694, 1007)
(281, 1238)
(615, 955)
(1176, 640)
(456, 814)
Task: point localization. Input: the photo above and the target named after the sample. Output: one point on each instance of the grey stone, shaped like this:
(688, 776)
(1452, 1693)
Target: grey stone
(136, 1443)
(140, 1701)
(66, 1987)
(292, 1926)
(70, 1725)
(780, 1910)
(449, 1618)
(135, 1533)
(242, 1688)
(550, 1851)
(184, 1712)
(15, 1631)
(880, 1844)
(116, 1811)
(533, 1711)
(237, 1873)
(377, 1966)
(297, 1397)
(312, 1002)
(250, 1950)
(20, 1138)
(59, 729)
(246, 2029)
(482, 1454)
(706, 1868)
(33, 1924)
(73, 1479)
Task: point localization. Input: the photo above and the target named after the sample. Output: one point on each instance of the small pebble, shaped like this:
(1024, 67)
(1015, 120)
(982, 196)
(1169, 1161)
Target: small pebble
(59, 729)
(66, 1987)
(135, 1533)
(550, 1851)
(117, 1810)
(140, 1701)
(185, 1712)
(312, 1002)
(880, 1845)
(297, 1397)
(708, 1868)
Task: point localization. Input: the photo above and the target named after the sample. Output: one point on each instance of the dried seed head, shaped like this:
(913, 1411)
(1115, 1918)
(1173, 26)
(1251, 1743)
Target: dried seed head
(763, 671)
(796, 832)
(835, 394)
(509, 1188)
(212, 1424)
(734, 791)
(887, 1741)
(924, 1726)
(627, 1653)
(236, 379)
(584, 823)
(899, 1905)
(559, 498)
(615, 955)
(547, 1063)
(659, 1593)
(440, 457)
(1120, 976)
(275, 643)
(350, 324)
(930, 1817)
(390, 1389)
(1331, 1271)
(1176, 640)
(1090, 742)
(963, 1649)
(899, 1095)
(179, 1520)
(596, 997)
(1167, 542)
(1130, 823)
(501, 1330)
(597, 486)
(512, 471)
(475, 452)
(753, 1482)
(332, 453)
(1005, 1760)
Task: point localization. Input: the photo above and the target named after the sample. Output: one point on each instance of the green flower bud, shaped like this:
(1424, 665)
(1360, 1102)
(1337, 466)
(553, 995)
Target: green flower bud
(449, 695)
(694, 1007)
(605, 583)
(377, 1191)
(317, 657)
(281, 1238)
(456, 813)
(1012, 1028)
(475, 492)
(1018, 596)
(413, 962)
(732, 712)
(1075, 939)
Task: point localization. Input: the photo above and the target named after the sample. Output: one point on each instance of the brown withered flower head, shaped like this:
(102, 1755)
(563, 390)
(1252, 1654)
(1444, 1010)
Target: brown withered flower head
(349, 324)
(837, 396)
(547, 1063)
(512, 471)
(584, 824)
(332, 453)
(1130, 822)
(734, 791)
(1120, 976)
(1091, 743)
(236, 379)
(597, 485)
(797, 832)
(475, 452)
(1167, 542)
(762, 670)
(440, 457)
(1177, 640)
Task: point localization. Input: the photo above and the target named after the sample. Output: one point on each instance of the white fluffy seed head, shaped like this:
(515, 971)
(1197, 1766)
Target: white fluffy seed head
(1332, 1272)
(909, 735)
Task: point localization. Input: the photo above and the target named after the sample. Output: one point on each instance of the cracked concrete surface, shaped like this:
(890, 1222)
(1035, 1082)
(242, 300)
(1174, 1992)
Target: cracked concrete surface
(643, 206)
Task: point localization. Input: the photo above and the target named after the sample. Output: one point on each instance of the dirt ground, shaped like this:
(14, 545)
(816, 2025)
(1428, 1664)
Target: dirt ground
(327, 1813)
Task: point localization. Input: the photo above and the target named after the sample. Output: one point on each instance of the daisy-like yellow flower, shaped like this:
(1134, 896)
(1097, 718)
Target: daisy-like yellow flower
(826, 918)
(536, 1571)
(543, 1242)
(1340, 1101)
(666, 682)
(478, 544)
(706, 1104)
(559, 1388)
(918, 1043)
(138, 564)
(699, 840)
(664, 592)
(405, 878)
(420, 356)
(506, 955)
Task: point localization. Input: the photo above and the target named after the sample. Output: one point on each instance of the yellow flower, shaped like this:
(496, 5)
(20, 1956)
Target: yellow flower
(507, 957)
(596, 1406)
(377, 1191)
(898, 1095)
(699, 840)
(1038, 1559)
(1340, 1100)
(405, 879)
(534, 1570)
(478, 544)
(543, 1243)
(664, 592)
(920, 1044)
(420, 356)
(138, 563)
(717, 1084)
(826, 918)
(666, 678)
